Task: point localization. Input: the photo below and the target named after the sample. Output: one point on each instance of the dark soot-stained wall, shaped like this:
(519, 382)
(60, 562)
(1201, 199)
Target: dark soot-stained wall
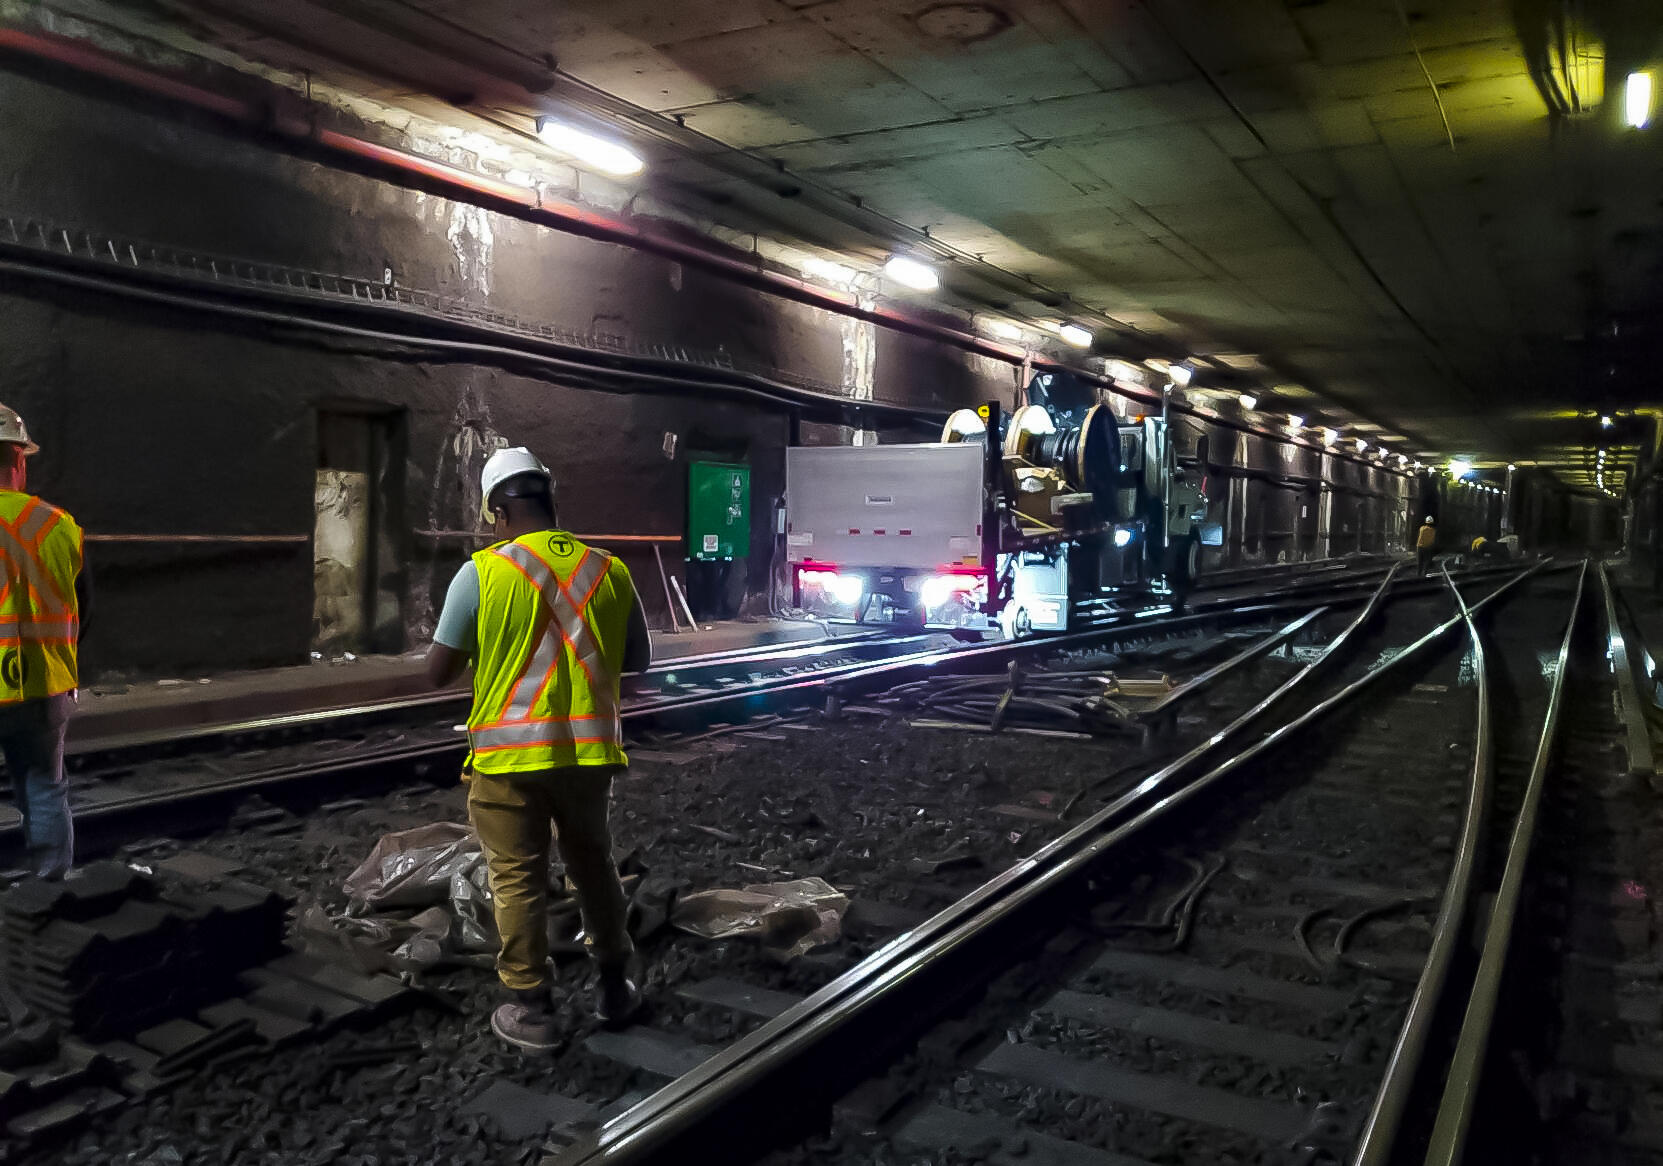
(164, 422)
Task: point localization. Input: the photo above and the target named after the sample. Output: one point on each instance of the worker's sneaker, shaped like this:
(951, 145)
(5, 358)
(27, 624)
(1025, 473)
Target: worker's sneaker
(617, 1001)
(528, 1022)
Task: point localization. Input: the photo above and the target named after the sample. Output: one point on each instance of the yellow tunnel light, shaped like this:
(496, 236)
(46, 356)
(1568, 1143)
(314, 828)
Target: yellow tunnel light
(1637, 100)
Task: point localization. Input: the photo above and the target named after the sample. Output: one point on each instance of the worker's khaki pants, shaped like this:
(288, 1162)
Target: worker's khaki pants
(517, 816)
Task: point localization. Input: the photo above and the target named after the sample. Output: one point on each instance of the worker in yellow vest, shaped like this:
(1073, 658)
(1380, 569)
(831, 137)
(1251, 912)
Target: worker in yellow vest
(1425, 542)
(550, 625)
(42, 614)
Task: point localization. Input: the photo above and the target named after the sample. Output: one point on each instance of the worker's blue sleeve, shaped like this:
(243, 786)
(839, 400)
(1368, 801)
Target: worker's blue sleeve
(459, 621)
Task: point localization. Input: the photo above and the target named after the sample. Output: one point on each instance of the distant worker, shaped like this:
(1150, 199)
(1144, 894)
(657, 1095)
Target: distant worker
(1483, 548)
(42, 607)
(551, 625)
(1424, 542)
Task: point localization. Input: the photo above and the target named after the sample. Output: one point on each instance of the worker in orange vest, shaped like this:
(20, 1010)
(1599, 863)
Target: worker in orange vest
(43, 607)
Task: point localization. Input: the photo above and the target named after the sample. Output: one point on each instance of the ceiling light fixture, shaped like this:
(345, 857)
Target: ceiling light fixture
(1295, 422)
(911, 273)
(1605, 421)
(606, 156)
(1181, 374)
(1074, 334)
(1637, 100)
(1459, 469)
(1248, 401)
(1361, 445)
(1330, 436)
(1002, 329)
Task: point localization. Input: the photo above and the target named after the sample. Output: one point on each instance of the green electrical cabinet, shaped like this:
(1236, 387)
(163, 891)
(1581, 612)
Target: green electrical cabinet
(718, 511)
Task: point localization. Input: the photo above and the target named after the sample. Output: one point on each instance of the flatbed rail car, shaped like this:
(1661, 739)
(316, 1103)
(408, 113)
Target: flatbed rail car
(1004, 520)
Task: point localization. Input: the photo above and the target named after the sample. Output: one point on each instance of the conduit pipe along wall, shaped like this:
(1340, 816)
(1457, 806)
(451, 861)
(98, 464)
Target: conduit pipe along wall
(525, 202)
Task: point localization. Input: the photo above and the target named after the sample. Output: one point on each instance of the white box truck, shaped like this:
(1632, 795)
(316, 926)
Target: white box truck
(1001, 520)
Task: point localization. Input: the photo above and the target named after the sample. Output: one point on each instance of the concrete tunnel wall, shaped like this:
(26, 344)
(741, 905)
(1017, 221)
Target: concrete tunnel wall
(165, 422)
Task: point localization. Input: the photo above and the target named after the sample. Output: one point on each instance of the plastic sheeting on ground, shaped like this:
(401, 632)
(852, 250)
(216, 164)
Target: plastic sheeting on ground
(790, 918)
(436, 871)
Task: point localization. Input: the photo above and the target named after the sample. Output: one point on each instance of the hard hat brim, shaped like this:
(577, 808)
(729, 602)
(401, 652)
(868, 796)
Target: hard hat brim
(30, 449)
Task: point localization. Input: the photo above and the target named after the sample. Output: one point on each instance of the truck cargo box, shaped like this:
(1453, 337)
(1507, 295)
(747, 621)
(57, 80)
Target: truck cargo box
(908, 506)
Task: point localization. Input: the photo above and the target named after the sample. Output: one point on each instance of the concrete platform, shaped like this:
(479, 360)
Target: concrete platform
(235, 696)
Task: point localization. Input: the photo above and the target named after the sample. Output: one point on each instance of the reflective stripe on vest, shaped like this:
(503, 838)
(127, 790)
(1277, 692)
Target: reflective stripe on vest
(515, 735)
(39, 621)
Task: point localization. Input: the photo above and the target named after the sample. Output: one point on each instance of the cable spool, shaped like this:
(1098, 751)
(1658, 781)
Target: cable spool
(964, 425)
(1087, 455)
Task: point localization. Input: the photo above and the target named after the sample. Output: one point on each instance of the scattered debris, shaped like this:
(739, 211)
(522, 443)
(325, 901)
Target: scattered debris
(790, 918)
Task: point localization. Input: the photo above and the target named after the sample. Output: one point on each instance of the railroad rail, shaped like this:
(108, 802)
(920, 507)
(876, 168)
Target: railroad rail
(823, 1044)
(734, 686)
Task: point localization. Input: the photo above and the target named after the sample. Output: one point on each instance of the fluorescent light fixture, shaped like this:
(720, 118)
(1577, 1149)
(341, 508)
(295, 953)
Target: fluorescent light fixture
(1511, 466)
(911, 273)
(608, 157)
(1295, 421)
(1002, 329)
(1074, 334)
(1122, 536)
(1330, 436)
(1361, 445)
(1248, 401)
(829, 271)
(1605, 422)
(1637, 100)
(1459, 469)
(1181, 374)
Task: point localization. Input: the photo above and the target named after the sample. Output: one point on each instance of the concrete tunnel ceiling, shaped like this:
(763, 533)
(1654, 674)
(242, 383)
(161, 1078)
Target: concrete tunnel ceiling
(1414, 218)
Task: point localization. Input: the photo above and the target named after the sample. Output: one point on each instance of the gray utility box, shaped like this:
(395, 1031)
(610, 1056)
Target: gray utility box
(914, 507)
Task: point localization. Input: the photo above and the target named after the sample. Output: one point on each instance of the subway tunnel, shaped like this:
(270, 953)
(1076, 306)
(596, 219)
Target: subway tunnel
(1188, 471)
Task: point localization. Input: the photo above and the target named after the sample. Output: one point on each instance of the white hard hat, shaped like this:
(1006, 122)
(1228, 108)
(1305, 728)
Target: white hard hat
(505, 464)
(14, 432)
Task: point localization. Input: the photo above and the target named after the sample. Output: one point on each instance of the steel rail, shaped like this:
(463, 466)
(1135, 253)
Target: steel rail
(1252, 652)
(672, 1120)
(146, 738)
(786, 651)
(684, 1104)
(420, 760)
(1391, 1100)
(1455, 1111)
(1642, 759)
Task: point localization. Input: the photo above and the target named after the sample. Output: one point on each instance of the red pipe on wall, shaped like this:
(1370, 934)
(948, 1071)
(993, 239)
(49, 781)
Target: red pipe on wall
(525, 201)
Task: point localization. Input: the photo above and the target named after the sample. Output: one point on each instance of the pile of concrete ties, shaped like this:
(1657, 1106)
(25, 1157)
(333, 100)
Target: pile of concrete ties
(114, 951)
(116, 984)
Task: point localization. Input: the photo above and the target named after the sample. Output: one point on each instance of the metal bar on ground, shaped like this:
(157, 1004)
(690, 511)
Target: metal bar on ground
(664, 578)
(1374, 1147)
(1196, 683)
(1455, 1111)
(1642, 760)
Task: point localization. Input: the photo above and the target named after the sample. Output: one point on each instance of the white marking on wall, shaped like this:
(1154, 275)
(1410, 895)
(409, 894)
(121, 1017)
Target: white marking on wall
(860, 357)
(474, 244)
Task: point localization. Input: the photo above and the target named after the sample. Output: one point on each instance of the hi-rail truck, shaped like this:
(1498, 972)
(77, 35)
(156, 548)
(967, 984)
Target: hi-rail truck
(1007, 520)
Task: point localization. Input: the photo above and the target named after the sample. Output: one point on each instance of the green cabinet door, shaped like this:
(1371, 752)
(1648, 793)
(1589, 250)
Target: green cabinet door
(718, 510)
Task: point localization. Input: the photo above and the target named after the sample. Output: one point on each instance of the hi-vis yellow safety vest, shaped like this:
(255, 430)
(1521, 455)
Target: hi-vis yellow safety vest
(40, 621)
(553, 616)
